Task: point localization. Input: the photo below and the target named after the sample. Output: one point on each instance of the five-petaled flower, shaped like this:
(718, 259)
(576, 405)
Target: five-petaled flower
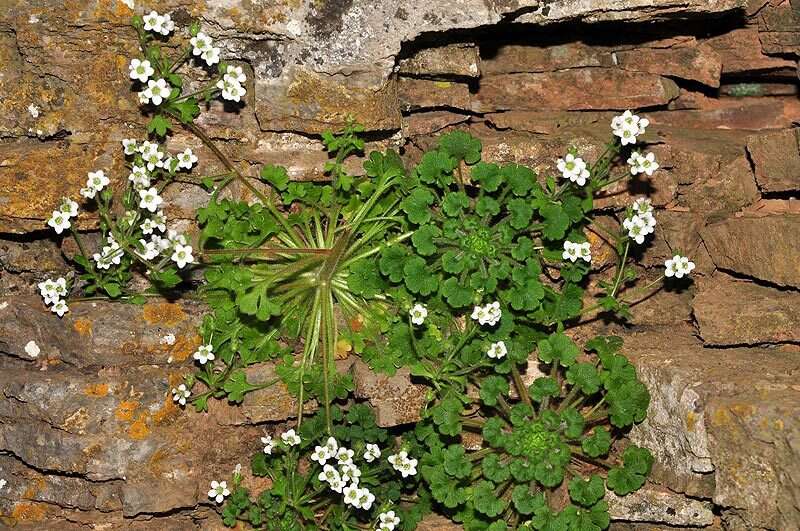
(678, 266)
(268, 443)
(489, 314)
(180, 394)
(149, 199)
(574, 169)
(186, 159)
(387, 521)
(290, 438)
(140, 70)
(573, 251)
(371, 453)
(182, 255)
(204, 353)
(497, 350)
(418, 314)
(642, 163)
(157, 91)
(402, 463)
(59, 221)
(219, 490)
(627, 126)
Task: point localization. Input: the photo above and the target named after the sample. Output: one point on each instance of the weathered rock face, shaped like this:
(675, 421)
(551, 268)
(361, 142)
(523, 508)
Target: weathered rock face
(89, 436)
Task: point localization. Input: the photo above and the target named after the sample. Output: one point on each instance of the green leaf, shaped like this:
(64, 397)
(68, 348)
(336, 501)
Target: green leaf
(542, 387)
(523, 249)
(604, 345)
(112, 289)
(188, 109)
(158, 125)
(454, 261)
(365, 279)
(487, 206)
(447, 416)
(624, 481)
(423, 239)
(494, 470)
(573, 423)
(581, 519)
(392, 261)
(585, 377)
(521, 213)
(628, 404)
(485, 500)
(587, 491)
(418, 277)
(520, 179)
(277, 176)
(525, 501)
(558, 347)
(549, 472)
(454, 203)
(417, 205)
(556, 222)
(456, 294)
(237, 386)
(456, 463)
(598, 443)
(491, 388)
(638, 460)
(493, 432)
(461, 146)
(436, 167)
(487, 175)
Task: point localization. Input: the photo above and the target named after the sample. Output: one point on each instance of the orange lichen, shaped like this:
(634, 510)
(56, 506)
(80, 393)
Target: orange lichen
(169, 409)
(163, 313)
(720, 417)
(32, 512)
(96, 390)
(83, 326)
(125, 410)
(185, 346)
(691, 420)
(138, 429)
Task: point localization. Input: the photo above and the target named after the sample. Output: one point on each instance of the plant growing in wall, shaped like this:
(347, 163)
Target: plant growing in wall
(467, 272)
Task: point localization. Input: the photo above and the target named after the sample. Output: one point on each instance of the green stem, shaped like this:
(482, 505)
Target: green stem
(621, 268)
(522, 391)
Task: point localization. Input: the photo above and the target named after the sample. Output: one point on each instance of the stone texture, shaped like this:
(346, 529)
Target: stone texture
(649, 505)
(415, 94)
(740, 53)
(776, 159)
(777, 28)
(705, 404)
(395, 398)
(442, 61)
(730, 312)
(583, 89)
(770, 253)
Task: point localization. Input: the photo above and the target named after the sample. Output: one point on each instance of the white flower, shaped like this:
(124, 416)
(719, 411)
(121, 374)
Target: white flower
(144, 98)
(182, 255)
(232, 90)
(388, 521)
(153, 22)
(150, 199)
(320, 455)
(643, 206)
(180, 394)
(268, 443)
(68, 207)
(628, 126)
(157, 91)
(52, 291)
(336, 485)
(344, 456)
(236, 73)
(129, 145)
(201, 43)
(497, 350)
(160, 221)
(640, 164)
(176, 238)
(403, 464)
(352, 496)
(162, 243)
(418, 314)
(574, 169)
(32, 349)
(678, 266)
(139, 177)
(329, 474)
(60, 308)
(219, 490)
(147, 226)
(204, 354)
(95, 182)
(153, 158)
(167, 339)
(351, 473)
(167, 25)
(332, 446)
(210, 56)
(142, 71)
(149, 249)
(59, 221)
(489, 314)
(290, 438)
(187, 159)
(365, 498)
(573, 251)
(639, 226)
(128, 3)
(372, 453)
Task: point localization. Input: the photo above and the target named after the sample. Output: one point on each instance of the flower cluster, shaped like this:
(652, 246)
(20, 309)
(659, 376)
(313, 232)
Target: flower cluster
(156, 92)
(67, 210)
(642, 163)
(418, 314)
(388, 521)
(96, 181)
(231, 83)
(161, 24)
(203, 46)
(574, 169)
(489, 314)
(52, 292)
(344, 478)
(573, 251)
(628, 126)
(640, 221)
(678, 266)
(402, 463)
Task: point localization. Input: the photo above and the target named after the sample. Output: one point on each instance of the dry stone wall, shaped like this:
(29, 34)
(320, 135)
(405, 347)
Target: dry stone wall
(88, 436)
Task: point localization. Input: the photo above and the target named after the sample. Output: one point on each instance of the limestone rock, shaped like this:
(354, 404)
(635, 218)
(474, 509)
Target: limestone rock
(650, 505)
(460, 60)
(395, 398)
(417, 94)
(770, 252)
(740, 53)
(776, 158)
(736, 313)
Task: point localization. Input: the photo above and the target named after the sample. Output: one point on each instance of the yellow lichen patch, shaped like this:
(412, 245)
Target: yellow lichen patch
(691, 420)
(77, 421)
(125, 410)
(185, 346)
(96, 390)
(163, 313)
(743, 410)
(83, 327)
(138, 429)
(34, 488)
(31, 512)
(168, 410)
(720, 417)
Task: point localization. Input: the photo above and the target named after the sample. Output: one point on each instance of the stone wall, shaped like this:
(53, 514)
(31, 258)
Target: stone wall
(88, 436)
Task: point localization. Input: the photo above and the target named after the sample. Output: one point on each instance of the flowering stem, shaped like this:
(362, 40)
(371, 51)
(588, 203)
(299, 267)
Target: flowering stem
(621, 268)
(82, 250)
(179, 61)
(521, 390)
